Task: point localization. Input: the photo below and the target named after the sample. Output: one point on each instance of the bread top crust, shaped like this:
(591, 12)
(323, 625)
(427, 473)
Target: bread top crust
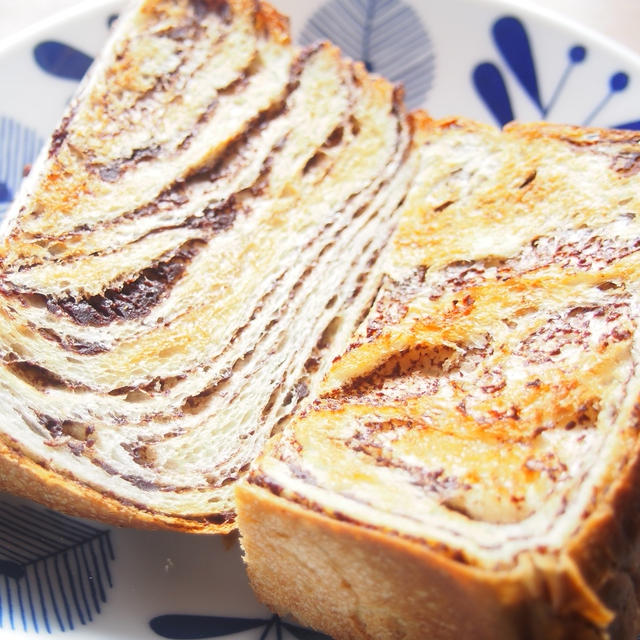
(198, 235)
(487, 407)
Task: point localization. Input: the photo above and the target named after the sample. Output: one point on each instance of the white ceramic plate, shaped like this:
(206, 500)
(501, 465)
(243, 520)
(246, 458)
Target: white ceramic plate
(486, 60)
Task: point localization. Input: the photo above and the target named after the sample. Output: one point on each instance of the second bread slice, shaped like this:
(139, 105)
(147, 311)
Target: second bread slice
(472, 465)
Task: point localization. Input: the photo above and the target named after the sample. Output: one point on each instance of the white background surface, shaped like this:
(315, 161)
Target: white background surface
(618, 19)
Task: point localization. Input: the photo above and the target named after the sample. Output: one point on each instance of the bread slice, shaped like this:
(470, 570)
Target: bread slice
(197, 241)
(471, 467)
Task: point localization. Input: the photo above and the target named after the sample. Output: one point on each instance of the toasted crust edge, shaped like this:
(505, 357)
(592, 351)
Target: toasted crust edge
(358, 583)
(23, 477)
(352, 582)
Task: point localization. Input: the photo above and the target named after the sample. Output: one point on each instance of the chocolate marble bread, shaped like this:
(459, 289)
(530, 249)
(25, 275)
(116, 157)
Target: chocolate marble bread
(197, 241)
(471, 467)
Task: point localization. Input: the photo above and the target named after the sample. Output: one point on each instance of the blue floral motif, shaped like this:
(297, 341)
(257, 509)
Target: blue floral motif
(190, 627)
(54, 570)
(512, 42)
(19, 147)
(61, 60)
(387, 35)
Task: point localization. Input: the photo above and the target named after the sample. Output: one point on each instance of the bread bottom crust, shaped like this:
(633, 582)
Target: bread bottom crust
(355, 583)
(21, 476)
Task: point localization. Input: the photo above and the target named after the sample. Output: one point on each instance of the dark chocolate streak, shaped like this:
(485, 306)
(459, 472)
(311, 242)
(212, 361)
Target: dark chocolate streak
(60, 134)
(140, 451)
(430, 480)
(220, 518)
(235, 147)
(114, 170)
(220, 7)
(622, 147)
(141, 454)
(189, 31)
(136, 298)
(261, 479)
(592, 252)
(285, 393)
(627, 162)
(69, 343)
(232, 88)
(299, 389)
(37, 376)
(133, 299)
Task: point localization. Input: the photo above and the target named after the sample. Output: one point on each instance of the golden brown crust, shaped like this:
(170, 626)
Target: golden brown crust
(369, 584)
(606, 550)
(21, 476)
(270, 21)
(353, 582)
(587, 136)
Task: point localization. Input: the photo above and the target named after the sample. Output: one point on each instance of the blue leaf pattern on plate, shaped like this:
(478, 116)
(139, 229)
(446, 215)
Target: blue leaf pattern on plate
(387, 35)
(301, 633)
(61, 60)
(617, 82)
(192, 627)
(489, 83)
(635, 125)
(19, 147)
(512, 42)
(54, 571)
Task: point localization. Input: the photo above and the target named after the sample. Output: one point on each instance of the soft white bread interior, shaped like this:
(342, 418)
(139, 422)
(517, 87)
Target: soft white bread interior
(197, 241)
(472, 464)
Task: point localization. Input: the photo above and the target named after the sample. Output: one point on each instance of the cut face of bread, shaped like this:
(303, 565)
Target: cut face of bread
(199, 239)
(471, 465)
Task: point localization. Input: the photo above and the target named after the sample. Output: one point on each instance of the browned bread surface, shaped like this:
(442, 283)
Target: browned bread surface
(198, 239)
(471, 465)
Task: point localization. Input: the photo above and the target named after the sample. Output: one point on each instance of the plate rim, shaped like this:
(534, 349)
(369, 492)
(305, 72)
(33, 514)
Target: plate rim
(549, 16)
